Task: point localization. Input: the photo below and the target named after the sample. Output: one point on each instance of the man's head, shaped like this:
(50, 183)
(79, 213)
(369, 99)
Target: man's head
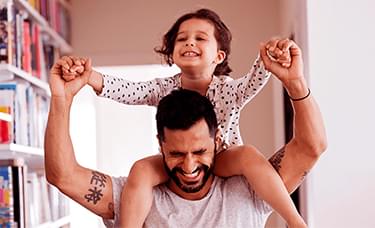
(187, 133)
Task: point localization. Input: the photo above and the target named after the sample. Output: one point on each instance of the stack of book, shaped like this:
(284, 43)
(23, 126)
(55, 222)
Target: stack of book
(12, 193)
(22, 43)
(29, 110)
(26, 199)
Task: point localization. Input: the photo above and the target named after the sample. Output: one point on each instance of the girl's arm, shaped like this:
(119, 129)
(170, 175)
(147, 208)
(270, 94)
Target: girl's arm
(136, 93)
(248, 86)
(120, 89)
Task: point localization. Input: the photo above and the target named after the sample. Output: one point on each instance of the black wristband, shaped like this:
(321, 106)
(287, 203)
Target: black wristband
(301, 98)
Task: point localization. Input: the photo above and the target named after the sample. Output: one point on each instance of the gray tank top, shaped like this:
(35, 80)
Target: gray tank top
(230, 202)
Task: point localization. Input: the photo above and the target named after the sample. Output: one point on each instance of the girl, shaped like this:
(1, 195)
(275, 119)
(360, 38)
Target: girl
(199, 44)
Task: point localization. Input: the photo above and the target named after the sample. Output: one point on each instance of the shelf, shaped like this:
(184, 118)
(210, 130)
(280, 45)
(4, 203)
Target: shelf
(5, 116)
(34, 157)
(21, 150)
(50, 45)
(8, 72)
(56, 224)
(45, 27)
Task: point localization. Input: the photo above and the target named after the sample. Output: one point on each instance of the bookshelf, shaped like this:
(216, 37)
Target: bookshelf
(33, 34)
(38, 18)
(9, 72)
(5, 117)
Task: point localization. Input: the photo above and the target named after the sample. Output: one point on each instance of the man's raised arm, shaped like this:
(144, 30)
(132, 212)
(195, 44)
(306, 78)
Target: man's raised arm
(89, 188)
(295, 160)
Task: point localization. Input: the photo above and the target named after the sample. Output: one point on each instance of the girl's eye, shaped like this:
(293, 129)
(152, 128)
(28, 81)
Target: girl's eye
(200, 38)
(181, 39)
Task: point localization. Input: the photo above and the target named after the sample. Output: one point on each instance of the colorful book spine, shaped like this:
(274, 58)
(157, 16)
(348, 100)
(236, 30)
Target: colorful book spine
(7, 33)
(7, 217)
(12, 193)
(5, 126)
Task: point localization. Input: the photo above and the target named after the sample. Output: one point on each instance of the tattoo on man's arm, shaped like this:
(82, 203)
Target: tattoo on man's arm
(98, 182)
(276, 159)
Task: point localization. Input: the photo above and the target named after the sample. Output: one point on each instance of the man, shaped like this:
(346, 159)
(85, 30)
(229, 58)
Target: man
(188, 200)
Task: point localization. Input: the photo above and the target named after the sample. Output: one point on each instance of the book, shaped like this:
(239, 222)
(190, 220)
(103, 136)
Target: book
(7, 97)
(40, 208)
(17, 99)
(12, 193)
(7, 33)
(26, 47)
(5, 126)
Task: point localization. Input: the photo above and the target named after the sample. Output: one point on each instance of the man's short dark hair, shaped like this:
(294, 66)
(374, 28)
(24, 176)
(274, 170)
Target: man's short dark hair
(181, 109)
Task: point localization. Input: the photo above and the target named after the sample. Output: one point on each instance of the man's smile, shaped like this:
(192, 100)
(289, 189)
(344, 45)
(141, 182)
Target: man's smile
(190, 177)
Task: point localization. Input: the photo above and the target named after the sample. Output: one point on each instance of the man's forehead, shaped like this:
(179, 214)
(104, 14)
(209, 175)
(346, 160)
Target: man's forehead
(197, 130)
(196, 134)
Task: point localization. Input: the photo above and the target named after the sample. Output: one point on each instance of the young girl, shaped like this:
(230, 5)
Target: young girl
(199, 44)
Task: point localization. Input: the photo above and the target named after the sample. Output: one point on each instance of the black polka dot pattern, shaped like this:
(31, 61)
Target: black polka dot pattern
(226, 94)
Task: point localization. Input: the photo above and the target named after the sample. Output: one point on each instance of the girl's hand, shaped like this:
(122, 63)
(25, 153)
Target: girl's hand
(64, 88)
(287, 75)
(278, 51)
(73, 67)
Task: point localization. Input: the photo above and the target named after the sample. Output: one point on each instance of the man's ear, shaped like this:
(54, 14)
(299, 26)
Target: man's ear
(159, 140)
(218, 138)
(220, 56)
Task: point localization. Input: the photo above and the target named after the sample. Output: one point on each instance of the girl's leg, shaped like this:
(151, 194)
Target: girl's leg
(136, 196)
(263, 178)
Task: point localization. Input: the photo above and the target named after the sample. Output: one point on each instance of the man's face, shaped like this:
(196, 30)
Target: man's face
(188, 157)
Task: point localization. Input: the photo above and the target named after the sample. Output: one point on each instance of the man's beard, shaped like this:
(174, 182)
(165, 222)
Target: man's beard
(193, 187)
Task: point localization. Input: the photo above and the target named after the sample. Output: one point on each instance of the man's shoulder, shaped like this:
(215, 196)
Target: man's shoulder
(237, 180)
(235, 184)
(237, 189)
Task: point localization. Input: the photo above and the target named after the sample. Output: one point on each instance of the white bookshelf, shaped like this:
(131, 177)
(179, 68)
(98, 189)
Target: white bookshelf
(10, 72)
(16, 149)
(33, 157)
(55, 37)
(6, 117)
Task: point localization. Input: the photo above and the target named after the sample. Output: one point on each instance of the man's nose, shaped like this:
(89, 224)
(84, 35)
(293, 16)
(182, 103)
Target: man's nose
(189, 164)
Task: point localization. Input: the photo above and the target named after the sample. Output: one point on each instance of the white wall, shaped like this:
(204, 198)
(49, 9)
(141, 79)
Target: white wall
(341, 45)
(127, 133)
(83, 133)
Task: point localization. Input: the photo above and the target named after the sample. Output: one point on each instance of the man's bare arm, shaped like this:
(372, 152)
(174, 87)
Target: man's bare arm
(89, 188)
(297, 157)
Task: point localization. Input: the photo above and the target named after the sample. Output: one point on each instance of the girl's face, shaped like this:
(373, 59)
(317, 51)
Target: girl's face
(196, 49)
